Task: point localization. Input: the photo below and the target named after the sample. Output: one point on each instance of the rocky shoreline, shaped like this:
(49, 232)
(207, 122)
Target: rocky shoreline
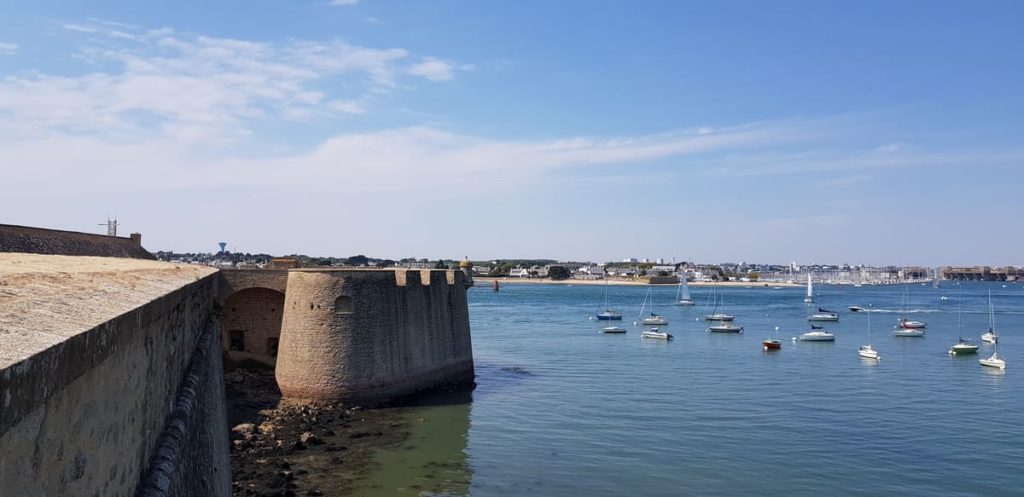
(283, 450)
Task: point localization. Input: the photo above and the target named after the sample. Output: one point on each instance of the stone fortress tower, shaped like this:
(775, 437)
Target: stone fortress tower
(359, 335)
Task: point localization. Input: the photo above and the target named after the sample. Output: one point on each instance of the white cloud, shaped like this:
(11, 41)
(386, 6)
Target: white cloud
(195, 87)
(8, 48)
(433, 69)
(891, 147)
(343, 2)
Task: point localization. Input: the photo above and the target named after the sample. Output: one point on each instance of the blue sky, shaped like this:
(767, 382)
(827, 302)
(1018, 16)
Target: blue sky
(865, 132)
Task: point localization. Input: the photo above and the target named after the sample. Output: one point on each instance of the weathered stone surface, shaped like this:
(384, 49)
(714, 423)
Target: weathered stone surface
(99, 368)
(30, 240)
(369, 336)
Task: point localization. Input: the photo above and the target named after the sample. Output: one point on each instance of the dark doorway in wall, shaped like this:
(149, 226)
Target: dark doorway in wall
(237, 341)
(272, 346)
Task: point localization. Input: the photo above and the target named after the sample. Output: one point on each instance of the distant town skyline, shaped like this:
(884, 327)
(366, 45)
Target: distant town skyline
(874, 133)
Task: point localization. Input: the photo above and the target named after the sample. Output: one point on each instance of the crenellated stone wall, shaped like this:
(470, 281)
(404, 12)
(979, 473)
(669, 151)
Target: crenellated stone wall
(368, 336)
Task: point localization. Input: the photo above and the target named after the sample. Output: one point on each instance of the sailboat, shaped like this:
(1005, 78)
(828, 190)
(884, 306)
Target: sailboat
(818, 334)
(866, 351)
(824, 315)
(654, 319)
(772, 343)
(608, 314)
(962, 346)
(906, 327)
(810, 291)
(993, 361)
(718, 316)
(990, 336)
(683, 292)
(724, 327)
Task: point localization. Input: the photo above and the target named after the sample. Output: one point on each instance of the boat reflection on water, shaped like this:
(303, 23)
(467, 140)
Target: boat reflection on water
(432, 459)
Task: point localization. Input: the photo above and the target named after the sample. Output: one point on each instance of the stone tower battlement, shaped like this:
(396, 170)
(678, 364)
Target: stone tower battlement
(370, 335)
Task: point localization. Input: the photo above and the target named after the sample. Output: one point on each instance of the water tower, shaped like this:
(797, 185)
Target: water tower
(222, 245)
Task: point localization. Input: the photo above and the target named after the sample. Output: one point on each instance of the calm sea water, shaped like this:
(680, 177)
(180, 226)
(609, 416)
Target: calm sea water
(562, 410)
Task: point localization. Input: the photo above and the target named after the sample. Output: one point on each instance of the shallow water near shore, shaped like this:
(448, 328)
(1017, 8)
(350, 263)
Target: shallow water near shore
(562, 410)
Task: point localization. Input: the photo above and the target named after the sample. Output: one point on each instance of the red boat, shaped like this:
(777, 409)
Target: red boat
(772, 344)
(910, 325)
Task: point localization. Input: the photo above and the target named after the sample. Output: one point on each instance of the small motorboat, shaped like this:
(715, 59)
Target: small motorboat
(907, 332)
(867, 352)
(771, 344)
(856, 308)
(656, 334)
(613, 330)
(993, 361)
(823, 315)
(654, 320)
(724, 327)
(817, 334)
(963, 346)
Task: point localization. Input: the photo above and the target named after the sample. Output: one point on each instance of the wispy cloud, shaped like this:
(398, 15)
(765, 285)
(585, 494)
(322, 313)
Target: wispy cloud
(433, 69)
(343, 2)
(176, 84)
(8, 48)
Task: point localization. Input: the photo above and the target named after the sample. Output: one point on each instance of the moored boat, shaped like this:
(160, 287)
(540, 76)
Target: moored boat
(609, 315)
(993, 361)
(654, 320)
(990, 336)
(724, 327)
(655, 333)
(963, 346)
(856, 308)
(866, 351)
(613, 330)
(818, 334)
(823, 315)
(772, 343)
(810, 291)
(907, 332)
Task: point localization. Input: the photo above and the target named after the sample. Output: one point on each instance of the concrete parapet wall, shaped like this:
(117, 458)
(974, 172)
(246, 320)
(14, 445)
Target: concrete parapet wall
(86, 416)
(30, 240)
(371, 335)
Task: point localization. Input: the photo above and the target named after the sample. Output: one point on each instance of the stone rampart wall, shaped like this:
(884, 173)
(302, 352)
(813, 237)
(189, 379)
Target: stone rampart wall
(90, 415)
(56, 242)
(370, 336)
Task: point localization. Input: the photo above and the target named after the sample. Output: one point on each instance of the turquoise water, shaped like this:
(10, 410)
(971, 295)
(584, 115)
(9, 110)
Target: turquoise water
(562, 410)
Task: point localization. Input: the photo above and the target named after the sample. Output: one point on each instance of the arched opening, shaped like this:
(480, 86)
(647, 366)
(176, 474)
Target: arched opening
(343, 304)
(251, 327)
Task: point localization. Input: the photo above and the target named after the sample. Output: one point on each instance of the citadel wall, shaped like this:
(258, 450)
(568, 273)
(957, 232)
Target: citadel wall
(133, 406)
(30, 240)
(368, 336)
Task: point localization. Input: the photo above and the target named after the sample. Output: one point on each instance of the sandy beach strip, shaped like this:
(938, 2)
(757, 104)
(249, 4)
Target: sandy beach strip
(484, 281)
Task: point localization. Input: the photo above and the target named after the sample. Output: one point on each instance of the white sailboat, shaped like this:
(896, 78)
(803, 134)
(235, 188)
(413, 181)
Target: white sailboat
(866, 351)
(724, 327)
(654, 319)
(990, 336)
(962, 346)
(818, 334)
(810, 290)
(993, 361)
(906, 327)
(683, 292)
